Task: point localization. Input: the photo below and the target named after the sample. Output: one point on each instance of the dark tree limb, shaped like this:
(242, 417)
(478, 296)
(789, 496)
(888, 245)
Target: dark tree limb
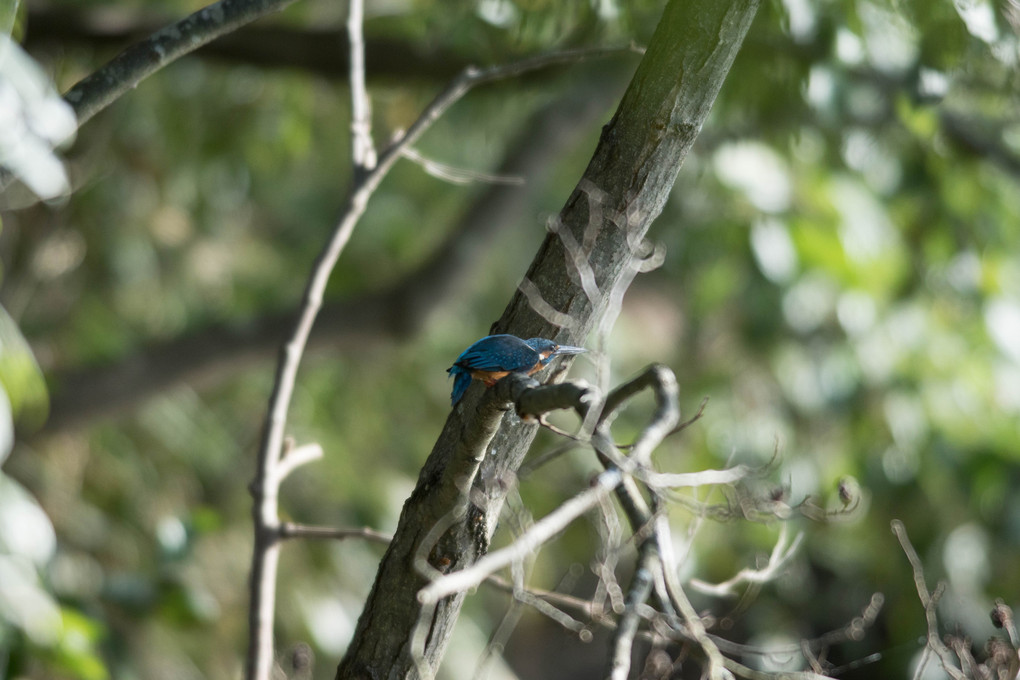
(100, 89)
(634, 168)
(320, 50)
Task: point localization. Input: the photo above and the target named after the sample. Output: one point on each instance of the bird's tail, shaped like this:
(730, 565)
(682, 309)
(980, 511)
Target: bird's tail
(461, 380)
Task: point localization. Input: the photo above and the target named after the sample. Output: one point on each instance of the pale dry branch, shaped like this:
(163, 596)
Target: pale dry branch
(739, 669)
(363, 156)
(626, 630)
(552, 604)
(662, 382)
(544, 606)
(449, 173)
(607, 586)
(295, 530)
(782, 552)
(1002, 617)
(717, 669)
(512, 616)
(677, 480)
(929, 600)
(294, 458)
(541, 532)
(853, 631)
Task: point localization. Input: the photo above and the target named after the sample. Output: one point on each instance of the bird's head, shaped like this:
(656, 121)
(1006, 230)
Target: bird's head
(547, 349)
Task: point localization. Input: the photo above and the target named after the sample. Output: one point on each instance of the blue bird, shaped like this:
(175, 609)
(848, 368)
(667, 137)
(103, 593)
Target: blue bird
(496, 356)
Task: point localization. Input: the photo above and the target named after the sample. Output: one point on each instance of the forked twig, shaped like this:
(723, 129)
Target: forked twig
(454, 175)
(929, 600)
(539, 533)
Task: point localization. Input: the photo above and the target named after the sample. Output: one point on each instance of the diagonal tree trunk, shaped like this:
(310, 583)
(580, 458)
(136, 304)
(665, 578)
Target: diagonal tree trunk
(448, 520)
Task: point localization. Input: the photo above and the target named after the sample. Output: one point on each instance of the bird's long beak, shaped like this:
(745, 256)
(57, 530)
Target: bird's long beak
(567, 349)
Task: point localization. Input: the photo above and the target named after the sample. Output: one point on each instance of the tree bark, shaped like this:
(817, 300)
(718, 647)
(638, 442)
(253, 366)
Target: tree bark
(446, 523)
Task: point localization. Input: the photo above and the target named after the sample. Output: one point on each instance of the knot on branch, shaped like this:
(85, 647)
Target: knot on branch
(533, 399)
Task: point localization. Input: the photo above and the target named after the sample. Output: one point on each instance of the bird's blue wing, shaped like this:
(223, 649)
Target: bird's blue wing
(498, 353)
(461, 381)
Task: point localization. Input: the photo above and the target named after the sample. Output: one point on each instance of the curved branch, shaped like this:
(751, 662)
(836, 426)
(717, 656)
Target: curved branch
(539, 533)
(323, 51)
(100, 89)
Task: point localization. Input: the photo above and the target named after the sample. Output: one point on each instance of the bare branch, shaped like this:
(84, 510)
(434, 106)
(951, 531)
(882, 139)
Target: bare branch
(1002, 617)
(362, 149)
(928, 601)
(782, 552)
(664, 387)
(541, 532)
(716, 662)
(662, 382)
(550, 600)
(95, 92)
(544, 606)
(294, 530)
(675, 480)
(295, 458)
(640, 589)
(752, 674)
(454, 175)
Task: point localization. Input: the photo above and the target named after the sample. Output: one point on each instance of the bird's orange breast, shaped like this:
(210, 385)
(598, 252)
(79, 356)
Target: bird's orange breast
(489, 377)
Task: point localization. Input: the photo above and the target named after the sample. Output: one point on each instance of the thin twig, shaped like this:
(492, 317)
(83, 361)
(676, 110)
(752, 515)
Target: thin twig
(677, 596)
(454, 175)
(543, 530)
(640, 589)
(363, 153)
(663, 384)
(552, 599)
(295, 530)
(929, 601)
(782, 552)
(293, 459)
(676, 480)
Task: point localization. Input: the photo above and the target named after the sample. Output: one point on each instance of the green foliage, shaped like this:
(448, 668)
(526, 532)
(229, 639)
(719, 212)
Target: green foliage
(20, 378)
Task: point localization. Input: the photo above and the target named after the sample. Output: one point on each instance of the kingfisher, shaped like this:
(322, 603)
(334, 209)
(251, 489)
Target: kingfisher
(496, 356)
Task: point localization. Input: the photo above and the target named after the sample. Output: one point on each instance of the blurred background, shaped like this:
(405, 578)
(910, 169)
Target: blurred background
(842, 281)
